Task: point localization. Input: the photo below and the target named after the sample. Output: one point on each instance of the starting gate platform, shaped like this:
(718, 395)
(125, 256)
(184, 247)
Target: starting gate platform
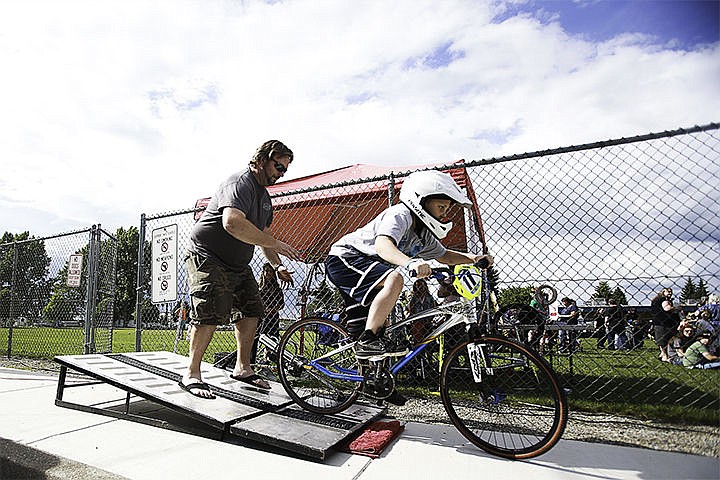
(239, 410)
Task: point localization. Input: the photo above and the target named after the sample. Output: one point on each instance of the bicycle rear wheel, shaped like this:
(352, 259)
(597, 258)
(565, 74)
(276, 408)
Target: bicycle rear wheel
(317, 366)
(509, 404)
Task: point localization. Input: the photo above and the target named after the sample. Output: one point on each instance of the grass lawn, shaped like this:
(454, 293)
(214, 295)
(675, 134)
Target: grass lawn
(634, 383)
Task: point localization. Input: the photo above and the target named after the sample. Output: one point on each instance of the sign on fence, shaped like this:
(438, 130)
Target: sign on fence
(74, 270)
(164, 264)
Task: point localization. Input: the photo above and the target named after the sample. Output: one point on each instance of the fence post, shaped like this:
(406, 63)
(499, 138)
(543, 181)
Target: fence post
(93, 301)
(138, 290)
(391, 189)
(89, 293)
(13, 281)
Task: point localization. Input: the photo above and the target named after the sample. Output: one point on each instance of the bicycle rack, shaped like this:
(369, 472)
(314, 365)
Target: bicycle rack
(239, 410)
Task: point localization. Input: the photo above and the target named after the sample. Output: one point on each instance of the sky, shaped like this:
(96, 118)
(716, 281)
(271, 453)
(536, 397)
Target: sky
(112, 109)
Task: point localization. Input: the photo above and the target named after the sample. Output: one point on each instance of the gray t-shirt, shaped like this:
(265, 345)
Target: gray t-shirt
(396, 223)
(210, 239)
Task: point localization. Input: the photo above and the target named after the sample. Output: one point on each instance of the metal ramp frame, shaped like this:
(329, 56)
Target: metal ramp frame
(268, 417)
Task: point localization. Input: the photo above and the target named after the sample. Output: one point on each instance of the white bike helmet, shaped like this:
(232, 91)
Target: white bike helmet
(421, 186)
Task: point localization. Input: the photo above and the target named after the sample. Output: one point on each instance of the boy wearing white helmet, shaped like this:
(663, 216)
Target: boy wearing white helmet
(363, 264)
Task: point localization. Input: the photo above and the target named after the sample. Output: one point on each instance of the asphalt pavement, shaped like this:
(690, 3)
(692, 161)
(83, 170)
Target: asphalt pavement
(41, 440)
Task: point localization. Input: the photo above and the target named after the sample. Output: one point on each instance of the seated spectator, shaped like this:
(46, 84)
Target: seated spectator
(679, 343)
(447, 293)
(701, 321)
(711, 311)
(698, 356)
(420, 300)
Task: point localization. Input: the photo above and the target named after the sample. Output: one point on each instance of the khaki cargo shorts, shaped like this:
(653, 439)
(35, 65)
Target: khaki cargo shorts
(219, 295)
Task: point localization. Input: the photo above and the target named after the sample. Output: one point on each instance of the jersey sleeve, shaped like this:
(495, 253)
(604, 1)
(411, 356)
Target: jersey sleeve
(393, 224)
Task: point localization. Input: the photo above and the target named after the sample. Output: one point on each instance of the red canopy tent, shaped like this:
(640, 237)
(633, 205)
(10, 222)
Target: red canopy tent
(311, 213)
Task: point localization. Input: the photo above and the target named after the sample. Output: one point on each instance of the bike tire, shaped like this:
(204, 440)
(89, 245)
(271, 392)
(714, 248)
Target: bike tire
(549, 291)
(516, 410)
(320, 392)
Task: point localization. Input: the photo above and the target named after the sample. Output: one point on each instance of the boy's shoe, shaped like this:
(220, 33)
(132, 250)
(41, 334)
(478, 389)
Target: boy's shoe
(395, 348)
(373, 348)
(378, 348)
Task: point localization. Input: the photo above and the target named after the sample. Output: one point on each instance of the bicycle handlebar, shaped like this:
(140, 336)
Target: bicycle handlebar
(442, 273)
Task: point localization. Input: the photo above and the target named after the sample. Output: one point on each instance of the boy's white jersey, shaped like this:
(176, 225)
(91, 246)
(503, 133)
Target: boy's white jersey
(396, 223)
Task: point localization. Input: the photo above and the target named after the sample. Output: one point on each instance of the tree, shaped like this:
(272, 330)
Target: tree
(66, 304)
(603, 291)
(619, 296)
(126, 274)
(24, 267)
(701, 291)
(688, 291)
(693, 291)
(510, 295)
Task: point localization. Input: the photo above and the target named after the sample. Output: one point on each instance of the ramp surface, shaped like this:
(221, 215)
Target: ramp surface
(239, 409)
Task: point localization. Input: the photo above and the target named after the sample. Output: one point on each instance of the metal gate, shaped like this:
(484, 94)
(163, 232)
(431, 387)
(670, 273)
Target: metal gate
(57, 293)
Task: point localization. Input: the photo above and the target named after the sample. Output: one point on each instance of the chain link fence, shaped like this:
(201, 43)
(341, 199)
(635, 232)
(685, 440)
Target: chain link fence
(619, 219)
(57, 294)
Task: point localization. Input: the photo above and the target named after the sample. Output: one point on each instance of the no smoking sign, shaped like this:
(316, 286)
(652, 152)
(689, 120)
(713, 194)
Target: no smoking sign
(164, 264)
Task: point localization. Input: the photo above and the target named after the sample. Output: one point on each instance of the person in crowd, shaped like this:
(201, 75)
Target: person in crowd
(615, 325)
(702, 322)
(711, 310)
(447, 293)
(222, 244)
(678, 343)
(364, 264)
(666, 320)
(273, 300)
(698, 356)
(637, 329)
(420, 300)
(568, 314)
(182, 314)
(539, 337)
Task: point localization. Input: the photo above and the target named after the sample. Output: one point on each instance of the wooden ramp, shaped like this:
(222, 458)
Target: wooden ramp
(240, 410)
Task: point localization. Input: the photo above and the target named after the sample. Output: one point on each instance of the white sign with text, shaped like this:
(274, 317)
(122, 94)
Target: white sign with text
(164, 264)
(74, 273)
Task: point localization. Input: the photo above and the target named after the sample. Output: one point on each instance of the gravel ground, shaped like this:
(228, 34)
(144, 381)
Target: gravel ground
(587, 427)
(600, 428)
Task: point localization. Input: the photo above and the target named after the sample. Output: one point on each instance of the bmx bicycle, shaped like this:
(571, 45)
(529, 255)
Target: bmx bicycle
(499, 393)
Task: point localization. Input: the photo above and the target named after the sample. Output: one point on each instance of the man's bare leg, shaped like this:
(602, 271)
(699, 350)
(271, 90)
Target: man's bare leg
(245, 330)
(200, 336)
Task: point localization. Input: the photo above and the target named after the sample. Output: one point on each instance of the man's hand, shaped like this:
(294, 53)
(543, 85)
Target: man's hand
(286, 250)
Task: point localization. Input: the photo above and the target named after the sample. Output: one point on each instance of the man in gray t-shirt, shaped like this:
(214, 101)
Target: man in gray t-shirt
(220, 279)
(210, 239)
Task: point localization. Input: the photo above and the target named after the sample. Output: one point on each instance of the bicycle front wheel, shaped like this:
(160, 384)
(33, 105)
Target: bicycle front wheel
(503, 397)
(317, 366)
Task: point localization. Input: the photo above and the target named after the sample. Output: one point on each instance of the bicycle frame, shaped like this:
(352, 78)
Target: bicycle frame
(456, 313)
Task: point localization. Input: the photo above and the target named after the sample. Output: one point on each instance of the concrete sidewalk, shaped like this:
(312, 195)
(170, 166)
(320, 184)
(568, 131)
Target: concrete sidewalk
(65, 443)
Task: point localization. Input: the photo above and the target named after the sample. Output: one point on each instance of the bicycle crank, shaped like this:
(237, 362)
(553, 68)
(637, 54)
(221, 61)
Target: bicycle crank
(378, 382)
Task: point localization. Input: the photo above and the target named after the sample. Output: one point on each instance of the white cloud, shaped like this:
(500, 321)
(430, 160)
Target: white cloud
(111, 109)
